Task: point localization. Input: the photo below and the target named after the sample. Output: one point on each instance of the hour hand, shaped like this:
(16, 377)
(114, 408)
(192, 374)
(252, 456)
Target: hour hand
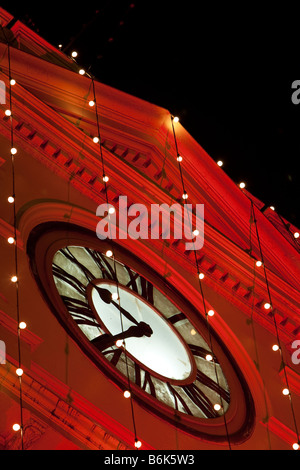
(105, 341)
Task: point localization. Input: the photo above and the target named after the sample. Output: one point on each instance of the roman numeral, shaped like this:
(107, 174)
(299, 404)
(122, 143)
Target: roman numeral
(63, 275)
(200, 400)
(146, 382)
(66, 252)
(214, 386)
(116, 355)
(101, 261)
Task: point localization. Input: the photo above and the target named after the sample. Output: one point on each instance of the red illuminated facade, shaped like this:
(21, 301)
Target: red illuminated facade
(69, 401)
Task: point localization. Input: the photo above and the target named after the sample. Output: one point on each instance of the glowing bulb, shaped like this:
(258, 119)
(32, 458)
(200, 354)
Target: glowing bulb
(267, 305)
(13, 82)
(272, 208)
(74, 54)
(275, 347)
(106, 179)
(16, 427)
(81, 72)
(208, 357)
(11, 199)
(109, 253)
(96, 140)
(114, 296)
(184, 196)
(14, 279)
(179, 158)
(217, 407)
(91, 103)
(220, 163)
(296, 446)
(296, 235)
(258, 264)
(176, 119)
(119, 343)
(285, 391)
(127, 394)
(7, 112)
(11, 240)
(201, 276)
(210, 313)
(13, 151)
(242, 185)
(19, 372)
(137, 443)
(196, 232)
(111, 210)
(193, 332)
(22, 325)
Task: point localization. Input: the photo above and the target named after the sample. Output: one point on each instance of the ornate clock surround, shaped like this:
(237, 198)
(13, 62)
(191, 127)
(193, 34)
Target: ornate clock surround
(47, 238)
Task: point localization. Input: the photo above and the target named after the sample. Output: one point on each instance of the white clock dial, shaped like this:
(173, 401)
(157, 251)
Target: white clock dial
(163, 353)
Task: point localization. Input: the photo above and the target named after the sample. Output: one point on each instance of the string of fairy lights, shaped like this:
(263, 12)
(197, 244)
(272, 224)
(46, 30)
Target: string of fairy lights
(207, 312)
(12, 240)
(200, 275)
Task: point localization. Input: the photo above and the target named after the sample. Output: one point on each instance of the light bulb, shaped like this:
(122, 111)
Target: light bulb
(106, 179)
(16, 427)
(11, 199)
(285, 391)
(176, 119)
(267, 305)
(217, 407)
(201, 276)
(275, 347)
(7, 112)
(81, 72)
(179, 158)
(114, 296)
(19, 372)
(137, 443)
(109, 253)
(208, 357)
(296, 235)
(11, 240)
(119, 343)
(196, 232)
(14, 279)
(12, 82)
(296, 446)
(96, 140)
(272, 208)
(258, 264)
(111, 210)
(220, 163)
(22, 325)
(127, 394)
(91, 103)
(210, 313)
(13, 151)
(193, 332)
(184, 196)
(74, 54)
(242, 185)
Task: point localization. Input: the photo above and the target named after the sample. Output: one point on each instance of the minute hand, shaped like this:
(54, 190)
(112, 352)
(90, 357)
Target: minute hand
(105, 295)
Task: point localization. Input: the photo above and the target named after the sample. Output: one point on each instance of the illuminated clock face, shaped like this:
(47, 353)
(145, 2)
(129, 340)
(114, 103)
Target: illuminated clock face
(166, 356)
(137, 327)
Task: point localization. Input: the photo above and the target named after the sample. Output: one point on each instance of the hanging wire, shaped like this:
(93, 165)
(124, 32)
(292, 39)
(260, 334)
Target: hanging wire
(15, 238)
(200, 283)
(283, 365)
(104, 178)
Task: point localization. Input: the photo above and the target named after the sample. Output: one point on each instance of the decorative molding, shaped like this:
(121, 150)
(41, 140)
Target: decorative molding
(75, 417)
(11, 325)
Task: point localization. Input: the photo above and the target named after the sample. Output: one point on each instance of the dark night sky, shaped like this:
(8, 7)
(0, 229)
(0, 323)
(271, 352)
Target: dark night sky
(227, 72)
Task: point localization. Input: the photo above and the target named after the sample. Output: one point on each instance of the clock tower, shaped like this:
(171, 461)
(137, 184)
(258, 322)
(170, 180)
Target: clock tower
(187, 335)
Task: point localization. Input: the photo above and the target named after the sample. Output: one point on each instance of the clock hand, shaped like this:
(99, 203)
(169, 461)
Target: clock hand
(105, 295)
(105, 341)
